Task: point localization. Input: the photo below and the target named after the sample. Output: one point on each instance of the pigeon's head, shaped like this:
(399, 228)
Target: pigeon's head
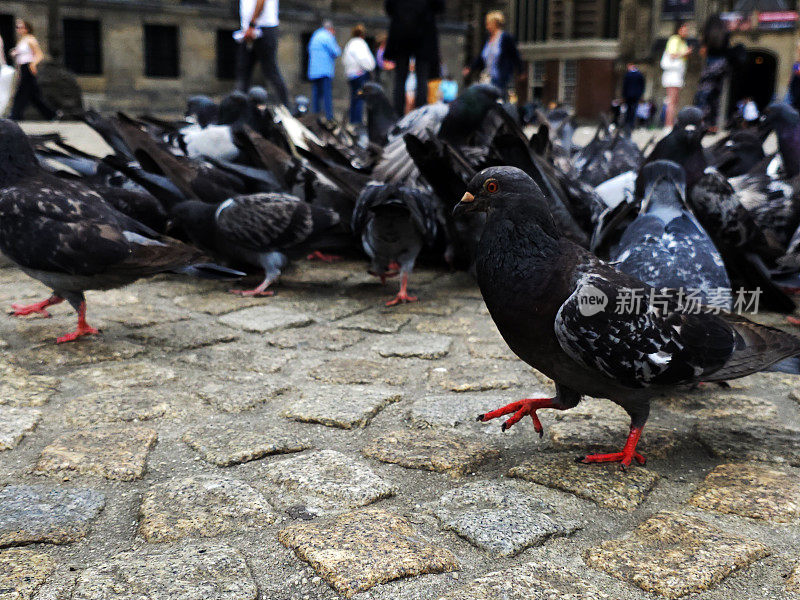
(197, 220)
(233, 108)
(507, 188)
(780, 116)
(372, 92)
(16, 153)
(258, 96)
(689, 125)
(202, 109)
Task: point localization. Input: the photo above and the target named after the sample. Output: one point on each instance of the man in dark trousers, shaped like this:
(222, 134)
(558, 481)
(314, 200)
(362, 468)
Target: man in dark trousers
(632, 92)
(259, 43)
(413, 33)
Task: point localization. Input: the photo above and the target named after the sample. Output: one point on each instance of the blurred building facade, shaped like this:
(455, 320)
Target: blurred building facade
(576, 50)
(142, 54)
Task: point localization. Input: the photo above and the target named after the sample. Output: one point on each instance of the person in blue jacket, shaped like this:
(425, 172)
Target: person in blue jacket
(633, 85)
(322, 53)
(499, 60)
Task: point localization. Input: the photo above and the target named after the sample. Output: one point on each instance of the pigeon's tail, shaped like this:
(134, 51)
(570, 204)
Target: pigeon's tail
(210, 271)
(789, 365)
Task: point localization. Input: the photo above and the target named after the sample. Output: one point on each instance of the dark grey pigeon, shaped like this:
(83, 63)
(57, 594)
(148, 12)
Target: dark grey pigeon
(394, 223)
(666, 247)
(66, 236)
(262, 230)
(555, 304)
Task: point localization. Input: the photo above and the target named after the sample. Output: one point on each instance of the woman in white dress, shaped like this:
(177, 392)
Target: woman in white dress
(27, 55)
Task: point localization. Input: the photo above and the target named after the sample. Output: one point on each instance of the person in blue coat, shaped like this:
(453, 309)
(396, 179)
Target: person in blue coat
(322, 54)
(633, 85)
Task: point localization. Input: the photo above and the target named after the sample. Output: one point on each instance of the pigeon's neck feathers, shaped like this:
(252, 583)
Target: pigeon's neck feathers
(198, 220)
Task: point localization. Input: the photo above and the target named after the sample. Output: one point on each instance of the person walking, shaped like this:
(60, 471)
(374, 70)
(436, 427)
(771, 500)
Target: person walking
(322, 53)
(673, 66)
(632, 92)
(358, 64)
(383, 64)
(716, 45)
(499, 60)
(27, 55)
(259, 43)
(412, 34)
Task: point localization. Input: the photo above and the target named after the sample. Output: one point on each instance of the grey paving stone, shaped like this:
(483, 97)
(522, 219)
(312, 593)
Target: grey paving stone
(493, 349)
(238, 393)
(605, 484)
(316, 338)
(108, 451)
(18, 387)
(751, 490)
(375, 322)
(312, 273)
(217, 302)
(599, 426)
(196, 570)
(23, 572)
(15, 424)
(137, 316)
(744, 440)
(359, 550)
(126, 375)
(261, 319)
(529, 581)
(502, 517)
(431, 450)
(324, 482)
(480, 376)
(182, 336)
(717, 405)
(117, 406)
(32, 514)
(242, 439)
(414, 345)
(793, 581)
(448, 326)
(330, 308)
(237, 358)
(348, 407)
(345, 371)
(674, 554)
(201, 506)
(92, 350)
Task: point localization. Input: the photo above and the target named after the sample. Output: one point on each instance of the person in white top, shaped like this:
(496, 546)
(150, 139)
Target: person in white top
(28, 54)
(259, 43)
(358, 65)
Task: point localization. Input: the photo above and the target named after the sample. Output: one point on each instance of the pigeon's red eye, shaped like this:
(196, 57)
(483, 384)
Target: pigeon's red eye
(492, 186)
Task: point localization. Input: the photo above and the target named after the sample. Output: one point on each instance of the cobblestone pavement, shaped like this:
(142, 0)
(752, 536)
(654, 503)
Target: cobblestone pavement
(318, 445)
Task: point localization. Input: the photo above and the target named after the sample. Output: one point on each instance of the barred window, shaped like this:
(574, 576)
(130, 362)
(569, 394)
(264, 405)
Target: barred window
(82, 46)
(161, 52)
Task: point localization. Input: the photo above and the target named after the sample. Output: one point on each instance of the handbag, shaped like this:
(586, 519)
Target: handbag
(668, 63)
(6, 86)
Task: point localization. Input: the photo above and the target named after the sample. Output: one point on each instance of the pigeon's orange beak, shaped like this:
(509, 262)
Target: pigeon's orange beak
(465, 206)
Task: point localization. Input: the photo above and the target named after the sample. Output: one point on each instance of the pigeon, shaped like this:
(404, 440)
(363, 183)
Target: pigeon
(394, 223)
(66, 236)
(259, 229)
(380, 113)
(202, 110)
(785, 121)
(557, 307)
(737, 154)
(666, 247)
(683, 145)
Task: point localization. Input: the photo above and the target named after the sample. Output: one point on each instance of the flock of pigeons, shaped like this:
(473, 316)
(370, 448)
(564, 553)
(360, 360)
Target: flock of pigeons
(246, 185)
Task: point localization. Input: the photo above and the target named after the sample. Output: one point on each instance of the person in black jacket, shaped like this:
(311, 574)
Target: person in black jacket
(716, 45)
(412, 33)
(499, 57)
(632, 92)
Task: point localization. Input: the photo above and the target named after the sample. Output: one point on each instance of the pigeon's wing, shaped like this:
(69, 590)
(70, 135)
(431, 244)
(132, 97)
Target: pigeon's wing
(601, 326)
(66, 228)
(261, 222)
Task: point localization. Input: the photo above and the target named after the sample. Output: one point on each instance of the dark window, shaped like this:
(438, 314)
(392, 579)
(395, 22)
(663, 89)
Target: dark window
(611, 24)
(8, 34)
(227, 52)
(82, 47)
(161, 53)
(304, 39)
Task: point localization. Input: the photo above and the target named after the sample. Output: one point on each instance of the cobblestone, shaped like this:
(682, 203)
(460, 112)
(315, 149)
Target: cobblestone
(15, 424)
(347, 407)
(22, 572)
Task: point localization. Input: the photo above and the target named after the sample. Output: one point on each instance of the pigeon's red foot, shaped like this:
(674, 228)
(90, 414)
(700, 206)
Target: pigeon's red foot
(83, 327)
(401, 298)
(20, 310)
(256, 293)
(625, 458)
(328, 258)
(527, 406)
(402, 295)
(793, 320)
